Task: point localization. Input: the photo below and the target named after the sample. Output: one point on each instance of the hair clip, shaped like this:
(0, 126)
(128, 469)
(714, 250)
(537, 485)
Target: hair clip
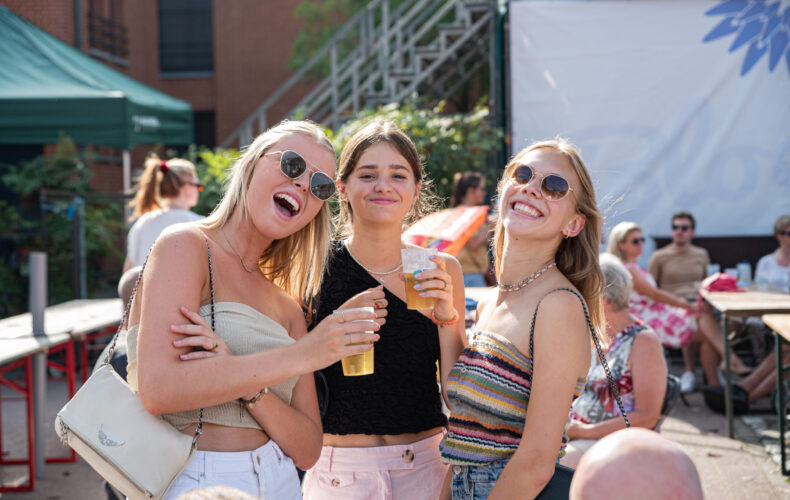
(163, 167)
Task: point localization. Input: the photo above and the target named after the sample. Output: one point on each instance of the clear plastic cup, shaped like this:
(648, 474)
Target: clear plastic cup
(414, 261)
(357, 364)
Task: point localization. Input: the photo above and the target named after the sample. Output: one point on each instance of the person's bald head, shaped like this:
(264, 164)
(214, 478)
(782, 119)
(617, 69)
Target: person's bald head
(635, 463)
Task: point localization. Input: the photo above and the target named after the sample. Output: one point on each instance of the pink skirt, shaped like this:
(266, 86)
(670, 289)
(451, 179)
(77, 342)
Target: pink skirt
(674, 325)
(399, 472)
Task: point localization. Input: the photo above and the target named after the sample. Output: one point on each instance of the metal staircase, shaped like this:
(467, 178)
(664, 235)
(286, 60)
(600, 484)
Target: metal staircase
(383, 55)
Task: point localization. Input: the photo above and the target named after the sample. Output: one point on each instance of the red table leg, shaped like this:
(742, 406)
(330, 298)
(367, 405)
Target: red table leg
(27, 394)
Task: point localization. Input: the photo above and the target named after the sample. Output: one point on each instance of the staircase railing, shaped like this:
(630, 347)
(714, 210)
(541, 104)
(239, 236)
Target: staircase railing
(372, 59)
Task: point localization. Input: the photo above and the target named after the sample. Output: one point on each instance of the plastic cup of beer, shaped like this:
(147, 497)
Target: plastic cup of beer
(357, 364)
(414, 261)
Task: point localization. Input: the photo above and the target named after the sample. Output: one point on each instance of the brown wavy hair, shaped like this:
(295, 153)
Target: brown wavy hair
(577, 257)
(373, 133)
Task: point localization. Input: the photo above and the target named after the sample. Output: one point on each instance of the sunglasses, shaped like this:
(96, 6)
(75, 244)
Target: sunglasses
(786, 233)
(679, 227)
(198, 185)
(637, 241)
(553, 187)
(294, 166)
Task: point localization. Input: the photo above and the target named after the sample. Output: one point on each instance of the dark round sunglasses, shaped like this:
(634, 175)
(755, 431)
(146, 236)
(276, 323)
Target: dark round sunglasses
(553, 187)
(294, 166)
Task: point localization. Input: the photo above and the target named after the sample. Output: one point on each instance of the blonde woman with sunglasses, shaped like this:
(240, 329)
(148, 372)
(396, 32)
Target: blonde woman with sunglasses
(382, 430)
(247, 266)
(513, 385)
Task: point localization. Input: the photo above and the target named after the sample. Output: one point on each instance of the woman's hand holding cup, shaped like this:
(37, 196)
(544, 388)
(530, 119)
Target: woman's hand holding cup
(372, 297)
(436, 283)
(339, 335)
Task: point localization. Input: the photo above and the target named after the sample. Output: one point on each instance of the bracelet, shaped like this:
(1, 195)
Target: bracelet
(250, 403)
(449, 322)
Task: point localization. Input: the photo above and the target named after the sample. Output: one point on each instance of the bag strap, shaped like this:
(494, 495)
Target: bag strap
(199, 428)
(601, 357)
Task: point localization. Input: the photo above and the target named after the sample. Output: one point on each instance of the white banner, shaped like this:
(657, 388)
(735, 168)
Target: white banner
(675, 105)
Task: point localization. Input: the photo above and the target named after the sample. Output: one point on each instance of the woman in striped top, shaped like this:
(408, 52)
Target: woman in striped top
(506, 427)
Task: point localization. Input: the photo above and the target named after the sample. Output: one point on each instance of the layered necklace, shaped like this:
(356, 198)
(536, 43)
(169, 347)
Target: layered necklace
(526, 281)
(378, 275)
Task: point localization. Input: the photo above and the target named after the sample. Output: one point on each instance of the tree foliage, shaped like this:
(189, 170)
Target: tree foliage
(22, 226)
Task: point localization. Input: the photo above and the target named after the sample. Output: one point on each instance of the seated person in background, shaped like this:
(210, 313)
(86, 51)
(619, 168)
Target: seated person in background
(636, 463)
(469, 189)
(772, 273)
(679, 268)
(773, 270)
(672, 317)
(636, 362)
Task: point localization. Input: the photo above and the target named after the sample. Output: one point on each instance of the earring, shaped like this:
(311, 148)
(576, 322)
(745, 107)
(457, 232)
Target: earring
(565, 235)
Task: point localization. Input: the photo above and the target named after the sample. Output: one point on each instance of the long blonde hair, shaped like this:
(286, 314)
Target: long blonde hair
(294, 263)
(617, 235)
(161, 180)
(577, 257)
(372, 133)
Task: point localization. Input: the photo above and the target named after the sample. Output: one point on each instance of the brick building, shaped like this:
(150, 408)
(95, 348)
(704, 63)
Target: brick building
(224, 57)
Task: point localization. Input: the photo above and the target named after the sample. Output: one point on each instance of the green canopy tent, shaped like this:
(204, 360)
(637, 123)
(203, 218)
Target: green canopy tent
(48, 87)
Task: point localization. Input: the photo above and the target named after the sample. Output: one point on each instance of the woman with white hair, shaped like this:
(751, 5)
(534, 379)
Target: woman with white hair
(246, 380)
(637, 365)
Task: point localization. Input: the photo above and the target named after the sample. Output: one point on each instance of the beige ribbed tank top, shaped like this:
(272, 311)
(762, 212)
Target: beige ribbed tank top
(246, 331)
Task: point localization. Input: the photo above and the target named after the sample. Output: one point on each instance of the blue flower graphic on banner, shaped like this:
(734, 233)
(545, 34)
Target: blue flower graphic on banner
(758, 24)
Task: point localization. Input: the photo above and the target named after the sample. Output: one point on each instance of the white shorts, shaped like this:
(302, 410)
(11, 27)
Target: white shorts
(263, 473)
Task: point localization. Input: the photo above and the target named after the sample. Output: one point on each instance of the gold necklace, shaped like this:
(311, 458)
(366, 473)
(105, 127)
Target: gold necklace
(374, 273)
(236, 253)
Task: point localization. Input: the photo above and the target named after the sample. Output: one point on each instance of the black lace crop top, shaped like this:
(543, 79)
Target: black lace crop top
(402, 395)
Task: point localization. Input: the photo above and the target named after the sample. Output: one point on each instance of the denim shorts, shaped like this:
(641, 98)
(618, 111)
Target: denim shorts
(475, 482)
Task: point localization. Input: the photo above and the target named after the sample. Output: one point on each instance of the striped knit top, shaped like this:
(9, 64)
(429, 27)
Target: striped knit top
(489, 389)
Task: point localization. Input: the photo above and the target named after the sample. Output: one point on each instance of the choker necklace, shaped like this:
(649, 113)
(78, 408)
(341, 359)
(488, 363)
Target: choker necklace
(375, 274)
(526, 281)
(235, 252)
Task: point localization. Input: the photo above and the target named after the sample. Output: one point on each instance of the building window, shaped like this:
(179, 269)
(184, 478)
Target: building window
(107, 35)
(205, 129)
(186, 37)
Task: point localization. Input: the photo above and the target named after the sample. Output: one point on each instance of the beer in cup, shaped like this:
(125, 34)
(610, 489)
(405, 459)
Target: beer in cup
(357, 364)
(414, 261)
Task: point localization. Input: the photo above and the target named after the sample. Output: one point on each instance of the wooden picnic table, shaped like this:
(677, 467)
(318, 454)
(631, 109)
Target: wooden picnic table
(741, 305)
(77, 318)
(780, 324)
(64, 324)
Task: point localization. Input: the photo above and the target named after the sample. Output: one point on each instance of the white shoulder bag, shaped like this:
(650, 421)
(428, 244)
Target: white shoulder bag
(107, 425)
